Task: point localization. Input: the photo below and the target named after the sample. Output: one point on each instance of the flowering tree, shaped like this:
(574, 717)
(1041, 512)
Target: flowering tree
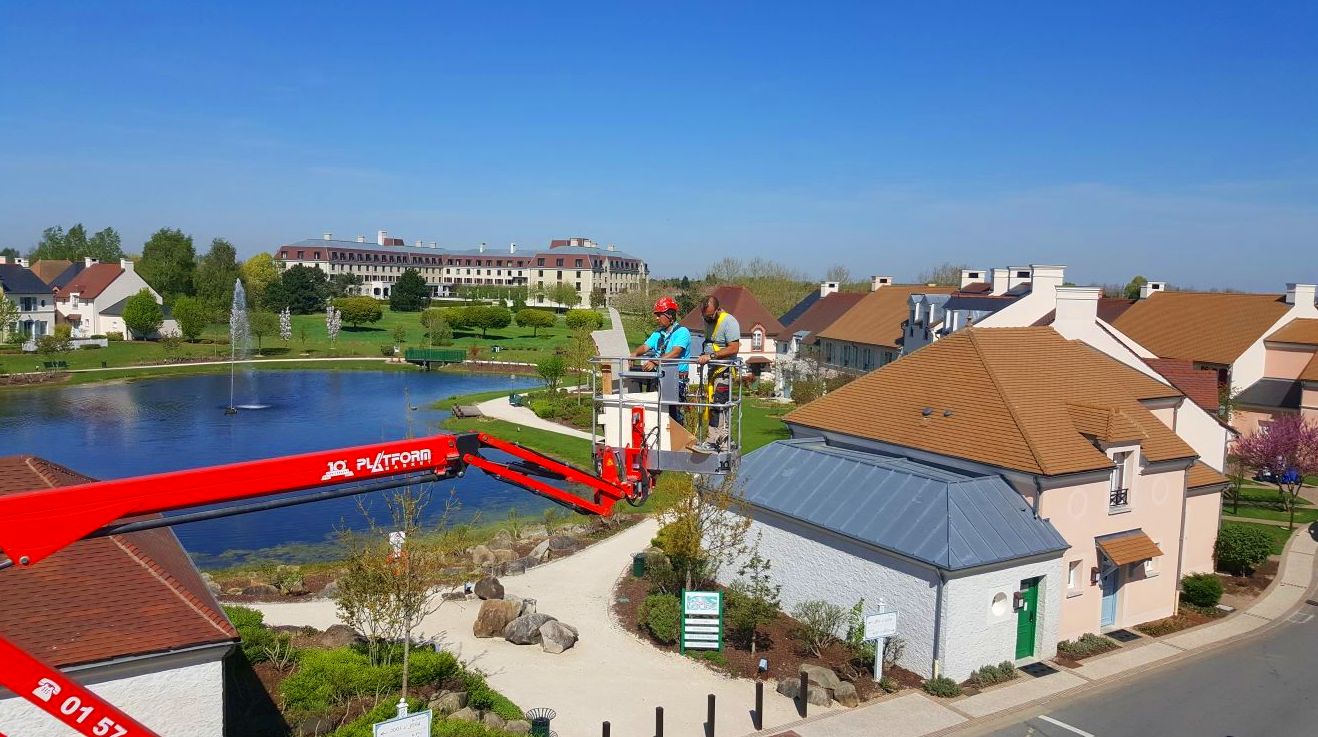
(1289, 449)
(286, 325)
(333, 321)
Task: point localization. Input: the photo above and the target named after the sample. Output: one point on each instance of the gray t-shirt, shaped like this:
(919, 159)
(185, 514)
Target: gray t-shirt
(726, 333)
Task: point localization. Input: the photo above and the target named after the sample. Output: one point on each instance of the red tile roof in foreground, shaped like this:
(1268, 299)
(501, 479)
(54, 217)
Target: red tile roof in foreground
(1200, 385)
(741, 304)
(91, 281)
(104, 598)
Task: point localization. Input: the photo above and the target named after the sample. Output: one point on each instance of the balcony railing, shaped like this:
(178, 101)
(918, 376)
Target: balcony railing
(1118, 498)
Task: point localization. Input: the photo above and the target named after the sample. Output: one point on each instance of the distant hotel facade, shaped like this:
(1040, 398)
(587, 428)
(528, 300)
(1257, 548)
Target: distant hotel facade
(579, 262)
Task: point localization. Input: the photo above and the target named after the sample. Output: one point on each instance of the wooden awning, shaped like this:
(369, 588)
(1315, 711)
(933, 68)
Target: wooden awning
(1129, 547)
(757, 360)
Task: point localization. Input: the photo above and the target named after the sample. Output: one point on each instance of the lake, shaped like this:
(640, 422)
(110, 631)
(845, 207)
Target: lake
(120, 429)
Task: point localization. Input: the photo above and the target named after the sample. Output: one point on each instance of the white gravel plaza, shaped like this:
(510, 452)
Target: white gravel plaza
(611, 674)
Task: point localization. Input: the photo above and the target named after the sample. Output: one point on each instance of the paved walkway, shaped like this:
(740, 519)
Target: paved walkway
(613, 341)
(500, 409)
(610, 675)
(917, 714)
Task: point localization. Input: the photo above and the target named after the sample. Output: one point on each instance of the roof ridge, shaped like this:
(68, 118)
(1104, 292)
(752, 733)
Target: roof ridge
(140, 557)
(1006, 401)
(28, 461)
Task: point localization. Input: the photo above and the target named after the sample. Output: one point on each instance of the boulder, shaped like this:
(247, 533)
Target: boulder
(466, 714)
(791, 688)
(315, 726)
(330, 591)
(261, 589)
(517, 726)
(338, 635)
(502, 536)
(489, 588)
(845, 694)
(528, 607)
(453, 596)
(495, 615)
(563, 543)
(525, 630)
(555, 637)
(482, 556)
(821, 676)
(504, 555)
(493, 721)
(532, 532)
(540, 551)
(526, 563)
(448, 702)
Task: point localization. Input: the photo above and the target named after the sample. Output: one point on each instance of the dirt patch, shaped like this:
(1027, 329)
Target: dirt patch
(1186, 617)
(1240, 592)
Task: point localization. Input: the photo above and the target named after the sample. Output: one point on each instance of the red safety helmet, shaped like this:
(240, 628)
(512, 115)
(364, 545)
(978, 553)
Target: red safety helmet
(665, 304)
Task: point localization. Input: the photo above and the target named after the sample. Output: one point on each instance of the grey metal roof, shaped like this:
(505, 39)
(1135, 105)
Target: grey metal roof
(584, 251)
(790, 316)
(66, 276)
(437, 251)
(1279, 393)
(21, 280)
(117, 309)
(942, 517)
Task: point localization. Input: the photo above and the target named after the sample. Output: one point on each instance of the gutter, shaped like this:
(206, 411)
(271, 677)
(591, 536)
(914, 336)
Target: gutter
(938, 624)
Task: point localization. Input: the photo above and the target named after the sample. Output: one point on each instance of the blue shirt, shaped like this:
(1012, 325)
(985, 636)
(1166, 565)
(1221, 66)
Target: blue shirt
(679, 338)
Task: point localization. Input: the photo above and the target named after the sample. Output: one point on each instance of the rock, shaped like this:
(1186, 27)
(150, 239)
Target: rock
(495, 615)
(315, 726)
(481, 555)
(514, 567)
(517, 726)
(338, 635)
(791, 688)
(528, 607)
(504, 555)
(448, 702)
(540, 551)
(261, 589)
(493, 721)
(233, 592)
(555, 637)
(502, 536)
(489, 588)
(525, 630)
(453, 596)
(845, 694)
(466, 714)
(822, 676)
(563, 543)
(531, 532)
(330, 591)
(526, 563)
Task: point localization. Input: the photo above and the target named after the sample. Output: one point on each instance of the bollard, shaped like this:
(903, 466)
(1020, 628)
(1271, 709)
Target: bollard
(606, 729)
(759, 705)
(709, 718)
(658, 721)
(805, 694)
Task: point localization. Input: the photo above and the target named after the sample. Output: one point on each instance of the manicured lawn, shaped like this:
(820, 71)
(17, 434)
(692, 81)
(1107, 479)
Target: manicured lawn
(1302, 515)
(573, 450)
(1266, 496)
(1279, 535)
(761, 422)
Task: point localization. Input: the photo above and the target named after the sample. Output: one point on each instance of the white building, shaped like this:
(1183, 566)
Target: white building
(34, 299)
(93, 295)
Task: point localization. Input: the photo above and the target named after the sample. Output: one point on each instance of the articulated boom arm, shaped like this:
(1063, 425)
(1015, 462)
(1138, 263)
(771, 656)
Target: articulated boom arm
(36, 524)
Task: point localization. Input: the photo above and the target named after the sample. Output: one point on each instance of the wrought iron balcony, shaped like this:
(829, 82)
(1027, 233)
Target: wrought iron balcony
(1118, 498)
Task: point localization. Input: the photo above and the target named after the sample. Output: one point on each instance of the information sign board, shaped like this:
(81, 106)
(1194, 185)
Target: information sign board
(702, 620)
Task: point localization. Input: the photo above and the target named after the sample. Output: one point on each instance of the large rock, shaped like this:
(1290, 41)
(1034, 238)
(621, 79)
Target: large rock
(517, 726)
(495, 616)
(315, 726)
(448, 702)
(261, 589)
(531, 532)
(482, 556)
(525, 630)
(555, 637)
(493, 721)
(526, 563)
(330, 591)
(540, 551)
(466, 714)
(791, 688)
(845, 694)
(528, 607)
(821, 676)
(563, 543)
(489, 588)
(504, 555)
(338, 635)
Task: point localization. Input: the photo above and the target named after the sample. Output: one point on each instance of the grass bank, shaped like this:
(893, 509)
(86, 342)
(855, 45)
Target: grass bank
(186, 369)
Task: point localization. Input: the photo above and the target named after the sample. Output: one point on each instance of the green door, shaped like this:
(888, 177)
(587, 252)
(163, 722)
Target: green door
(1027, 618)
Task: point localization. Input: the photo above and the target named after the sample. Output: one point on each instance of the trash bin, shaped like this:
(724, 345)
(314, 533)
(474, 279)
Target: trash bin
(638, 565)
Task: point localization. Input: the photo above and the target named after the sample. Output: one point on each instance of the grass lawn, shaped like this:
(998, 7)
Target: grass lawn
(573, 450)
(1279, 535)
(761, 422)
(1302, 514)
(1266, 496)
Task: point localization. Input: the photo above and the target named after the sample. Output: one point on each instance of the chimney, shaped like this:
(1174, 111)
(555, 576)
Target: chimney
(1044, 278)
(327, 236)
(1077, 305)
(1000, 280)
(418, 243)
(1149, 288)
(381, 237)
(612, 247)
(827, 288)
(434, 244)
(1300, 294)
(512, 248)
(361, 239)
(125, 264)
(482, 247)
(1017, 275)
(971, 276)
(879, 281)
(88, 261)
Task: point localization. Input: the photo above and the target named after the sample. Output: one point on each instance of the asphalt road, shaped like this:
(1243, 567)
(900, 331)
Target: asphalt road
(1262, 687)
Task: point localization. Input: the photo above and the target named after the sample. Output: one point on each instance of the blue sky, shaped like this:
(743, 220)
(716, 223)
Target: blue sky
(1175, 140)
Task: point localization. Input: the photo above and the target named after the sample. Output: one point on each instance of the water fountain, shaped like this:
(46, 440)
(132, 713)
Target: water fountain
(240, 348)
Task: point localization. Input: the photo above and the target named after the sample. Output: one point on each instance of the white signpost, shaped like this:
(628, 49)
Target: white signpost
(412, 725)
(878, 628)
(702, 620)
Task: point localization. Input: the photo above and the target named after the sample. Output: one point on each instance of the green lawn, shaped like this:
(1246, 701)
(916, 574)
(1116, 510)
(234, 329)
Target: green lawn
(1266, 496)
(761, 422)
(1302, 515)
(565, 447)
(1279, 535)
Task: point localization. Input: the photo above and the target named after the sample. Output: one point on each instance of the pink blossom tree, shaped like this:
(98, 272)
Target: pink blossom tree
(1289, 449)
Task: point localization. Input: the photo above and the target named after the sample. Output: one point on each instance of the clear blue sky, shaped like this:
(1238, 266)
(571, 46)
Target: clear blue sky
(1175, 140)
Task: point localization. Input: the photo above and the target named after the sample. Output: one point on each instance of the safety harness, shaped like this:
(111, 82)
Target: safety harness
(715, 372)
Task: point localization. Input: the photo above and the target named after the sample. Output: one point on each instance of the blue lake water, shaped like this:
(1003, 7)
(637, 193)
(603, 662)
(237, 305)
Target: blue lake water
(147, 426)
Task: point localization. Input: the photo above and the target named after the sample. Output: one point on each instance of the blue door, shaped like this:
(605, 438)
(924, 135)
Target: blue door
(1109, 615)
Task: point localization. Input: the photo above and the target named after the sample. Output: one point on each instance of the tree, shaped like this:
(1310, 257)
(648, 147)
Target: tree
(9, 313)
(75, 243)
(1289, 449)
(358, 310)
(842, 275)
(262, 323)
(400, 334)
(301, 289)
(142, 314)
(437, 328)
(578, 352)
(59, 341)
(286, 325)
(333, 322)
(550, 369)
(192, 317)
(410, 293)
(946, 274)
(51, 245)
(216, 274)
(704, 528)
(344, 285)
(9, 254)
(562, 293)
(756, 595)
(487, 317)
(583, 320)
(457, 317)
(105, 245)
(535, 319)
(597, 298)
(258, 273)
(1132, 288)
(168, 262)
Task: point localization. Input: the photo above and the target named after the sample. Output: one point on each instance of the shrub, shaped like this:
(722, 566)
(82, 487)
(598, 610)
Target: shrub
(663, 617)
(1086, 645)
(942, 687)
(889, 685)
(1242, 548)
(114, 335)
(820, 622)
(1201, 589)
(991, 674)
(90, 346)
(480, 696)
(386, 350)
(589, 319)
(257, 639)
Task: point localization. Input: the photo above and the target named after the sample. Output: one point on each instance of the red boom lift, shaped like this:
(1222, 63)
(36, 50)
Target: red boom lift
(36, 524)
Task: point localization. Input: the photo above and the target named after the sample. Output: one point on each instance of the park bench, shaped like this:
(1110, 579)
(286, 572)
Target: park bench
(516, 400)
(55, 365)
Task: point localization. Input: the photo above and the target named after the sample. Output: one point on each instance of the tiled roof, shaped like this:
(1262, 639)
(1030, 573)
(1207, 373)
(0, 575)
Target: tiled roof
(1310, 372)
(20, 280)
(91, 281)
(47, 269)
(1201, 475)
(1003, 397)
(1303, 331)
(1129, 547)
(741, 304)
(1111, 308)
(66, 276)
(1200, 385)
(824, 312)
(104, 598)
(799, 308)
(877, 319)
(1212, 327)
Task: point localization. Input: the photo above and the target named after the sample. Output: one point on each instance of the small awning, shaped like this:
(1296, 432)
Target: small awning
(1128, 547)
(757, 361)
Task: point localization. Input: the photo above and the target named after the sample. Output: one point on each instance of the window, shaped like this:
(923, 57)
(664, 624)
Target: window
(300, 253)
(578, 263)
(1119, 491)
(757, 340)
(1073, 575)
(29, 304)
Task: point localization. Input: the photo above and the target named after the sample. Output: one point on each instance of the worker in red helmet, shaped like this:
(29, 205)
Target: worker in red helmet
(669, 340)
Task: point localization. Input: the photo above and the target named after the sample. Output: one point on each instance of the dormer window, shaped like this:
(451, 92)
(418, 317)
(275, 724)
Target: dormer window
(757, 340)
(1119, 489)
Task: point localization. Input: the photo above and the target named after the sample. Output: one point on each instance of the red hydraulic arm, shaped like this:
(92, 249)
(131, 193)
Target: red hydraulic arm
(36, 524)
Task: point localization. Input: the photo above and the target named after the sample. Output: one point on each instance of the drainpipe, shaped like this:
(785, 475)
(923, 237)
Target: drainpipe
(1180, 547)
(938, 622)
(1038, 496)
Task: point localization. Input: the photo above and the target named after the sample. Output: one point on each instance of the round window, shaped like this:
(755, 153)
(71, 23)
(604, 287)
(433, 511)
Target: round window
(999, 606)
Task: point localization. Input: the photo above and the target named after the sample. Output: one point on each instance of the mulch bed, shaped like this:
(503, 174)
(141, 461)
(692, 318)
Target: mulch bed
(777, 645)
(1250, 586)
(1186, 617)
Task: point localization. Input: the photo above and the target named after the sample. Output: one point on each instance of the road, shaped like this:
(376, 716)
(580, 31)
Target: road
(1260, 687)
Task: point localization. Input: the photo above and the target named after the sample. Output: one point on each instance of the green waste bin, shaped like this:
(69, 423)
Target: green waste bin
(638, 565)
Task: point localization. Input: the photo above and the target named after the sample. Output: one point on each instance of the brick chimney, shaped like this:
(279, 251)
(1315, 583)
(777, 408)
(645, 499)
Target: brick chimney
(879, 281)
(971, 276)
(1150, 288)
(382, 237)
(999, 281)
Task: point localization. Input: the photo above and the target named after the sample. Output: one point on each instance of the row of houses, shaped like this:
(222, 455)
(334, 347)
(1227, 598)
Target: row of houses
(87, 295)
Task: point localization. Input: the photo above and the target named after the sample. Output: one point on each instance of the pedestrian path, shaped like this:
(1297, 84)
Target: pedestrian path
(501, 409)
(612, 341)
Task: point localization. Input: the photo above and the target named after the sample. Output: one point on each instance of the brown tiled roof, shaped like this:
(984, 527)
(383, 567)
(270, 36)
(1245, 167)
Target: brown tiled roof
(741, 304)
(1212, 327)
(1108, 424)
(1004, 397)
(104, 598)
(1110, 308)
(824, 312)
(1201, 474)
(1303, 331)
(1310, 372)
(91, 281)
(1129, 547)
(877, 319)
(47, 269)
(1200, 385)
